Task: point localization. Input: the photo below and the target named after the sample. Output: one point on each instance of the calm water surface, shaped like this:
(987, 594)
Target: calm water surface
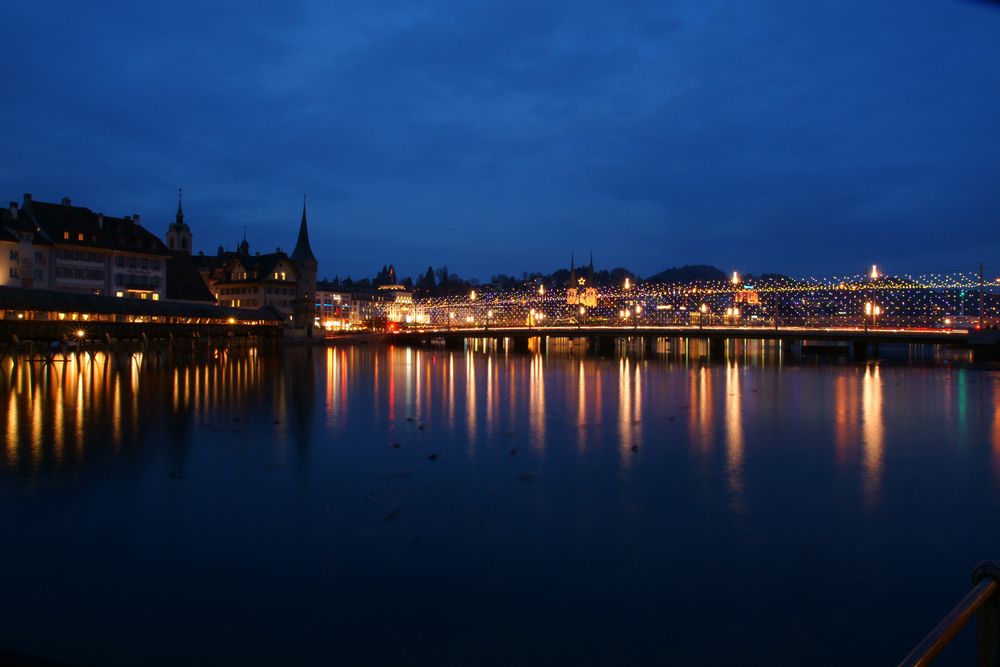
(251, 507)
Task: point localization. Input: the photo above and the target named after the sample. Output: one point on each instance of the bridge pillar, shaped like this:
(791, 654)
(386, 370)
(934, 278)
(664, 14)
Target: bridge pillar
(543, 344)
(519, 343)
(860, 349)
(648, 344)
(606, 346)
(717, 347)
(454, 343)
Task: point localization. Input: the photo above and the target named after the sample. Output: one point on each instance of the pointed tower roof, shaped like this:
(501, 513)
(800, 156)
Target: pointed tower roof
(572, 270)
(178, 223)
(303, 252)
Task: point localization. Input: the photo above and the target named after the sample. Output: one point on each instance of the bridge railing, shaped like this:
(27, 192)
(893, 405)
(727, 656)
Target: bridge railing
(983, 602)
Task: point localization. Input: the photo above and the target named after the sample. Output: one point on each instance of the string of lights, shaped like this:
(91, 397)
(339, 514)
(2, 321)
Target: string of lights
(936, 300)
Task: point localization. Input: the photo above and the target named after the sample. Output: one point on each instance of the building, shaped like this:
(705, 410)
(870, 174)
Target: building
(238, 279)
(24, 252)
(72, 249)
(334, 308)
(305, 266)
(581, 290)
(179, 235)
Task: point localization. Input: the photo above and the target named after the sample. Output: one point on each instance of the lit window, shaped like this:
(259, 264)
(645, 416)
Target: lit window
(79, 237)
(65, 235)
(282, 275)
(156, 297)
(119, 294)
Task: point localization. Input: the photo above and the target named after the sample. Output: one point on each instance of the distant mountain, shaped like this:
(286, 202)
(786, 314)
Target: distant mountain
(689, 273)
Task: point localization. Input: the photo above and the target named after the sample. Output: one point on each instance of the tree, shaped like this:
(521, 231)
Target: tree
(442, 276)
(426, 281)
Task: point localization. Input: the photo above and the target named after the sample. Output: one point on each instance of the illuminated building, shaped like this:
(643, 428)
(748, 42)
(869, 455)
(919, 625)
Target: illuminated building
(283, 283)
(581, 291)
(24, 251)
(76, 250)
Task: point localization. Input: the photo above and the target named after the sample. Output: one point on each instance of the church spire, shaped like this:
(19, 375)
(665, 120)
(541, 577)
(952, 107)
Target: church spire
(303, 252)
(180, 208)
(572, 270)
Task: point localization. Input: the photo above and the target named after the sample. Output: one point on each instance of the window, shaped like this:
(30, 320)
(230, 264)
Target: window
(145, 263)
(131, 262)
(13, 272)
(120, 261)
(65, 235)
(38, 274)
(79, 237)
(38, 258)
(282, 275)
(13, 254)
(155, 264)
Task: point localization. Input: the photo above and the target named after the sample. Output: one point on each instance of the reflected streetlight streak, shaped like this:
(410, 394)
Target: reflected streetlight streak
(470, 400)
(873, 434)
(734, 438)
(624, 412)
(536, 400)
(581, 408)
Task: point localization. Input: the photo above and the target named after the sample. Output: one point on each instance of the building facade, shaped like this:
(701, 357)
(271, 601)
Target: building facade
(73, 249)
(25, 254)
(283, 283)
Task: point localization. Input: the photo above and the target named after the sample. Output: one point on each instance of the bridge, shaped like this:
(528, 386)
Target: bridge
(859, 341)
(852, 313)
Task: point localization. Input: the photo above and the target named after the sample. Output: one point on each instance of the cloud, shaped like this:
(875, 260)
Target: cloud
(492, 137)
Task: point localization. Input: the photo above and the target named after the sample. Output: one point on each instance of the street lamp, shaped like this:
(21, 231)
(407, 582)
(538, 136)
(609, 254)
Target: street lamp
(489, 316)
(872, 310)
(579, 322)
(703, 308)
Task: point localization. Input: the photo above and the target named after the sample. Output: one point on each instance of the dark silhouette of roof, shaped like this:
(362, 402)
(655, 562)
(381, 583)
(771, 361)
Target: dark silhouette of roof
(184, 281)
(303, 252)
(77, 225)
(11, 227)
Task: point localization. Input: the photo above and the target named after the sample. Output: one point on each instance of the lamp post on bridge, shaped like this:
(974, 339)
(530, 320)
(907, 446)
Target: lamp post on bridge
(872, 310)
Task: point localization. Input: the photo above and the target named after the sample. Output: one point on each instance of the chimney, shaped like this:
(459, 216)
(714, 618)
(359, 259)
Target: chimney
(13, 210)
(135, 218)
(100, 220)
(27, 197)
(66, 201)
(128, 217)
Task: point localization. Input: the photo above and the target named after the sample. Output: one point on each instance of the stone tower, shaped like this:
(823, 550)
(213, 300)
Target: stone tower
(179, 234)
(306, 267)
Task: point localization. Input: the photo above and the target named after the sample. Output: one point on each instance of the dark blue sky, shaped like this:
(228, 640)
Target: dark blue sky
(805, 137)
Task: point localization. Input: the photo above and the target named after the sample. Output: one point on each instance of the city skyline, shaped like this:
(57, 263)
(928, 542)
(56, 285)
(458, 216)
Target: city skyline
(494, 141)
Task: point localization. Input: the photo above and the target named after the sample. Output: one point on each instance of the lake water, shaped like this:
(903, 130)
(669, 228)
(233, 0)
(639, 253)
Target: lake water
(386, 505)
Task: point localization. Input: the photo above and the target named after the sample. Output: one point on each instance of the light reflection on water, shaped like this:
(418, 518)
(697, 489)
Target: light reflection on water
(562, 486)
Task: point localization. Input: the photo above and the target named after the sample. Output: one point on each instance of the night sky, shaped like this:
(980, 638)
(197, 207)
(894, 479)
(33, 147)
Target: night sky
(803, 137)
